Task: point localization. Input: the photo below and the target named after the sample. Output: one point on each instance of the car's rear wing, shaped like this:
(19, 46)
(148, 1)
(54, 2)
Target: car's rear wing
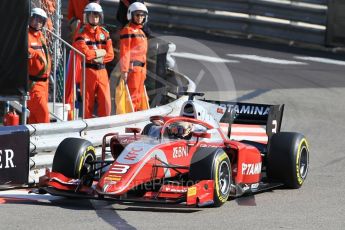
(252, 114)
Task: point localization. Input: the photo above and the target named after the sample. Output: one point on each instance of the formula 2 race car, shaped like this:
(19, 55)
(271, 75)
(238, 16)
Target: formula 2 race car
(185, 159)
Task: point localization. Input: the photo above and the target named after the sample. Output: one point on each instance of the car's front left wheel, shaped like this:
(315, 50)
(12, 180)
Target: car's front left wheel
(73, 158)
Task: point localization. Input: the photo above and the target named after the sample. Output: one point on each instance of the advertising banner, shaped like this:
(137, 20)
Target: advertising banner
(14, 155)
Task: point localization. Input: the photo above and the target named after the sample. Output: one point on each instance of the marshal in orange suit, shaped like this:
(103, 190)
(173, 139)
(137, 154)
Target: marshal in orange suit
(95, 43)
(39, 66)
(133, 50)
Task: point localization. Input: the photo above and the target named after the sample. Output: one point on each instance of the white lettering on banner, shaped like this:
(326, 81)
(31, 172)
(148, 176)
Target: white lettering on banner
(251, 169)
(180, 151)
(6, 158)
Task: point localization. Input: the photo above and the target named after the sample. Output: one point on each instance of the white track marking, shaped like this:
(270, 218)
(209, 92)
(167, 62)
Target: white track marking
(203, 58)
(322, 60)
(267, 59)
(25, 195)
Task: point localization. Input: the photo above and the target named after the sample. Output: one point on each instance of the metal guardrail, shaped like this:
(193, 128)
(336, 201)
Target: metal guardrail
(279, 19)
(278, 9)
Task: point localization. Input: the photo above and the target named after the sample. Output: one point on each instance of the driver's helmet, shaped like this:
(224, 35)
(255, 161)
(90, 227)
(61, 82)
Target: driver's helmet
(180, 130)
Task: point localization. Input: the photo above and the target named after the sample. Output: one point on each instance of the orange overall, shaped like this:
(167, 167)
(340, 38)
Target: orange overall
(133, 49)
(76, 9)
(75, 13)
(87, 41)
(39, 65)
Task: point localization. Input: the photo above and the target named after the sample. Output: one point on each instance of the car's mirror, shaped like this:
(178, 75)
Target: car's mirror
(133, 130)
(201, 134)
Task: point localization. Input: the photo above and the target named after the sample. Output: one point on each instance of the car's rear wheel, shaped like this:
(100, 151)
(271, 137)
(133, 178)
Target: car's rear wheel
(73, 159)
(288, 159)
(213, 164)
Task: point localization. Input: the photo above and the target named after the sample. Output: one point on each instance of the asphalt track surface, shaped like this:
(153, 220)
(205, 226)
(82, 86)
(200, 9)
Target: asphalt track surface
(313, 94)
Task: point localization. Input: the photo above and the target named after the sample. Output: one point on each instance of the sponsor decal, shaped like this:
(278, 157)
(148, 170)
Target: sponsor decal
(251, 169)
(112, 178)
(248, 109)
(180, 151)
(191, 191)
(177, 190)
(133, 153)
(211, 145)
(6, 158)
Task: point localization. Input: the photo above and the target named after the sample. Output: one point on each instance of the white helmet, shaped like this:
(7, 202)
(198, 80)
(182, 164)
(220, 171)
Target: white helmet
(93, 7)
(39, 12)
(137, 6)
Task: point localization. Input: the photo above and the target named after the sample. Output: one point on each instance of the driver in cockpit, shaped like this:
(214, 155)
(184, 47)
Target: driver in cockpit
(180, 130)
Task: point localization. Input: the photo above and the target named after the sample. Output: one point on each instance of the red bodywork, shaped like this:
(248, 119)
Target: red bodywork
(140, 159)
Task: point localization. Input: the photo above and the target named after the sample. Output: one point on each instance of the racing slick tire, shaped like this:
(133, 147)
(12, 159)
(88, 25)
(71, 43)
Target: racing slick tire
(72, 156)
(212, 164)
(288, 159)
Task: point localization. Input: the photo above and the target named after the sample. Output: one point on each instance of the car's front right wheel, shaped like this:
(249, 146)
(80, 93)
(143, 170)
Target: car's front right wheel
(213, 164)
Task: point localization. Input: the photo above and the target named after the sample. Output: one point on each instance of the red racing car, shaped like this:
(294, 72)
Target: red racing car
(184, 159)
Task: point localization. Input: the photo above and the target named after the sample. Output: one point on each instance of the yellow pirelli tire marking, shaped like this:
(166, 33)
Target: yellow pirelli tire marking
(218, 160)
(83, 157)
(302, 144)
